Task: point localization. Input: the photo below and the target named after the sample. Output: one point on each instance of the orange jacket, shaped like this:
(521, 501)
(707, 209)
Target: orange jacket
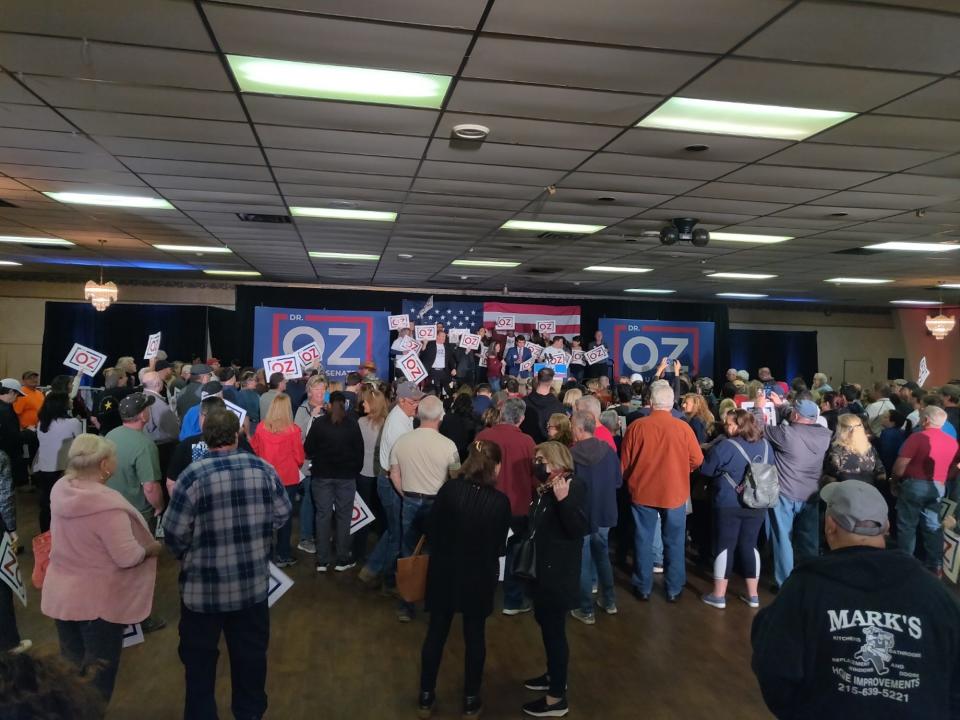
(657, 455)
(28, 407)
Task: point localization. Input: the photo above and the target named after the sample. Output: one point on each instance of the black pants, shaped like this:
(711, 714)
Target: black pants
(247, 634)
(625, 532)
(736, 532)
(553, 627)
(475, 645)
(9, 636)
(439, 380)
(94, 645)
(44, 482)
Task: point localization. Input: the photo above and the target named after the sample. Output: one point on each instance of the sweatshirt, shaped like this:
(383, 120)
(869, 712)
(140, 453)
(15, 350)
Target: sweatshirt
(335, 450)
(799, 451)
(283, 450)
(599, 468)
(539, 409)
(860, 633)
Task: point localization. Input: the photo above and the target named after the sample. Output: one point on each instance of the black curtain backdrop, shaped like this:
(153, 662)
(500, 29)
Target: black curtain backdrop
(120, 330)
(252, 296)
(787, 353)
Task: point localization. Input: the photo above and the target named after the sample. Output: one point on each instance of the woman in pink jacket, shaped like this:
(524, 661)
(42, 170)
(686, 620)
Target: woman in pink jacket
(102, 562)
(279, 442)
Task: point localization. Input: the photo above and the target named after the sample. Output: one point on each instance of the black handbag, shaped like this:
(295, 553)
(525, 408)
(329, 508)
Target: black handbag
(525, 556)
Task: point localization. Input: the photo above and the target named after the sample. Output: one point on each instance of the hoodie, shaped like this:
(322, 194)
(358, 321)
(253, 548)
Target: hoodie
(98, 565)
(799, 451)
(860, 633)
(283, 450)
(599, 468)
(539, 409)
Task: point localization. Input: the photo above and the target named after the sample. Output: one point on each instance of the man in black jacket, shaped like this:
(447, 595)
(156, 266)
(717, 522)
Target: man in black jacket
(11, 439)
(541, 404)
(860, 632)
(441, 363)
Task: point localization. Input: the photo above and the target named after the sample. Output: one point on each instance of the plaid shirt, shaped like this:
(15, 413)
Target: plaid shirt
(220, 525)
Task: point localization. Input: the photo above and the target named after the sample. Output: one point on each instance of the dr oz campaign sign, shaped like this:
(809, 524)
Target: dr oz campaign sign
(638, 345)
(344, 338)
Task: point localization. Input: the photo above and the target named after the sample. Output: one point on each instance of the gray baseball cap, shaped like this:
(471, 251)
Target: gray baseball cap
(409, 391)
(856, 506)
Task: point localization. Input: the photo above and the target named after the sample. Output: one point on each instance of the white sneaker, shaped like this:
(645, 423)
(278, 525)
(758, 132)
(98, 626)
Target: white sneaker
(344, 567)
(658, 569)
(322, 568)
(22, 647)
(307, 546)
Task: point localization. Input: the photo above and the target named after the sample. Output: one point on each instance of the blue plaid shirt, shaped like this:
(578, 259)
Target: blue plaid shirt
(220, 525)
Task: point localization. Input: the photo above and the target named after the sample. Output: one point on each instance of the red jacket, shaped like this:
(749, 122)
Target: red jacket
(516, 465)
(283, 450)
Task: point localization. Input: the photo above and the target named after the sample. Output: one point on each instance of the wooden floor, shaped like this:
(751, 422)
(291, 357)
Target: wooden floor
(337, 652)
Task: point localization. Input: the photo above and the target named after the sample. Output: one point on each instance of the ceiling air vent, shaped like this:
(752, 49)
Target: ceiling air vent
(261, 218)
(559, 236)
(4, 203)
(543, 271)
(857, 251)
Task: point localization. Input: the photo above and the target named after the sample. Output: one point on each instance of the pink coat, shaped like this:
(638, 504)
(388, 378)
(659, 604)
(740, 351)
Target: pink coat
(98, 565)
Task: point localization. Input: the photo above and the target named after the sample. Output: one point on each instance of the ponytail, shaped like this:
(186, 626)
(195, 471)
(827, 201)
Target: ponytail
(480, 467)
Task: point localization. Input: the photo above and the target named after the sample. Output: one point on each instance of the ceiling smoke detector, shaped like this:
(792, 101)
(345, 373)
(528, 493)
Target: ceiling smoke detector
(470, 131)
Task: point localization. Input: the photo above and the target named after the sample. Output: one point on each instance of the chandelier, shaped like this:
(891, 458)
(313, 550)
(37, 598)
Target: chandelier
(100, 294)
(940, 326)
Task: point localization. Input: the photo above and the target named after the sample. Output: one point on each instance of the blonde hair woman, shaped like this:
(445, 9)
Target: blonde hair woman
(559, 429)
(698, 415)
(278, 441)
(373, 403)
(102, 563)
(570, 398)
(851, 456)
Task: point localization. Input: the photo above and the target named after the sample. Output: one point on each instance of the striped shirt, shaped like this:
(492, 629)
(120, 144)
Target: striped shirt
(220, 525)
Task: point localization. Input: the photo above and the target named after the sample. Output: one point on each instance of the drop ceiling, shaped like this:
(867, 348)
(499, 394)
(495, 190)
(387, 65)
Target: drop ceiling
(125, 98)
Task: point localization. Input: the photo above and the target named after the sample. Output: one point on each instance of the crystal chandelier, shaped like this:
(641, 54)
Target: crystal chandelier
(940, 326)
(100, 294)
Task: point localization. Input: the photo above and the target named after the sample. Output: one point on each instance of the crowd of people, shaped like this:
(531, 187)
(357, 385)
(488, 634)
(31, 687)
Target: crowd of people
(546, 475)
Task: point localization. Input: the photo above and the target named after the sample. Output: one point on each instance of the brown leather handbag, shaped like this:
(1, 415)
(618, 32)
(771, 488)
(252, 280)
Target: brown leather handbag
(412, 574)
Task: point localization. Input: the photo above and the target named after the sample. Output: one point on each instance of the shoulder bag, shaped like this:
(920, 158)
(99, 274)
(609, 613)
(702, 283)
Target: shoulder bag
(412, 574)
(760, 488)
(525, 557)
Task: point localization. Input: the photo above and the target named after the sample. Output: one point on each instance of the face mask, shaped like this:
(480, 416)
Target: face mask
(540, 472)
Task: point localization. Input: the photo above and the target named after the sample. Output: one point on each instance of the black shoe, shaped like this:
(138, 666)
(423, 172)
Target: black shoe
(540, 708)
(152, 624)
(472, 706)
(642, 596)
(674, 598)
(425, 703)
(541, 684)
(774, 589)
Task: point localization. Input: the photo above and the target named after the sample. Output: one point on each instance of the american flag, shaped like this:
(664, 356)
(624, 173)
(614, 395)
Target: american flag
(452, 315)
(567, 317)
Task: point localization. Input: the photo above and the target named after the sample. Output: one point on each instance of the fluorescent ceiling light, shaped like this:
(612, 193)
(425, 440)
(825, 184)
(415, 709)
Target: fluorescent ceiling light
(951, 286)
(195, 248)
(732, 118)
(746, 237)
(251, 273)
(338, 82)
(9, 262)
(741, 276)
(913, 246)
(616, 269)
(344, 256)
(343, 214)
(129, 201)
(857, 281)
(743, 296)
(486, 263)
(914, 302)
(650, 291)
(33, 241)
(538, 226)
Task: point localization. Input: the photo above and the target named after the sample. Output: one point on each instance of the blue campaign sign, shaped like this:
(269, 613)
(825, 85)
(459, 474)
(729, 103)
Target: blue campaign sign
(638, 345)
(346, 338)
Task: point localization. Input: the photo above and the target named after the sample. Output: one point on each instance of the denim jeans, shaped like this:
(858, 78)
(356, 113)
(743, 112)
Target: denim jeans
(918, 504)
(334, 499)
(383, 559)
(308, 518)
(283, 551)
(595, 562)
(94, 645)
(795, 531)
(494, 384)
(674, 524)
(413, 522)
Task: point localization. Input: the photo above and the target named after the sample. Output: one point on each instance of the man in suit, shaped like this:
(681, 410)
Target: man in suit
(439, 360)
(515, 357)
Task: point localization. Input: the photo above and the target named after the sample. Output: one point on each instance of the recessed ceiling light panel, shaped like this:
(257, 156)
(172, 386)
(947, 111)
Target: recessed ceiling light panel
(913, 246)
(857, 281)
(208, 249)
(741, 276)
(748, 238)
(343, 255)
(486, 263)
(125, 201)
(914, 302)
(33, 241)
(733, 118)
(616, 269)
(338, 82)
(343, 214)
(650, 291)
(245, 273)
(538, 226)
(741, 296)
(8, 262)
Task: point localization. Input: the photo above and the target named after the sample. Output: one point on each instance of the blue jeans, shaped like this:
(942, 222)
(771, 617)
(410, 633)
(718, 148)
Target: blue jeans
(383, 559)
(595, 562)
(308, 518)
(494, 384)
(674, 538)
(283, 550)
(658, 543)
(413, 521)
(918, 504)
(802, 519)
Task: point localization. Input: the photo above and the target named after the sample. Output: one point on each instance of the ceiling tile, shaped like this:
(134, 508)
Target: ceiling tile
(462, 14)
(489, 173)
(513, 131)
(12, 92)
(197, 169)
(939, 100)
(338, 162)
(166, 149)
(333, 179)
(496, 154)
(307, 113)
(630, 183)
(658, 167)
(712, 205)
(890, 131)
(833, 33)
(276, 136)
(917, 184)
(851, 157)
(163, 128)
(759, 193)
(800, 177)
(948, 167)
(856, 198)
(666, 143)
(31, 117)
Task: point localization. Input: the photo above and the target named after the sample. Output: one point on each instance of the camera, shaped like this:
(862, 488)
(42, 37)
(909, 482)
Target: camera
(683, 229)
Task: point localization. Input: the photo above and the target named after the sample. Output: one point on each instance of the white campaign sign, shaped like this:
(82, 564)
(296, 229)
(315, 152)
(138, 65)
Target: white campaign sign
(412, 368)
(506, 322)
(471, 342)
(483, 360)
(425, 332)
(526, 365)
(10, 569)
(362, 515)
(153, 346)
(408, 344)
(240, 412)
(398, 322)
(598, 354)
(924, 371)
(576, 357)
(454, 335)
(769, 412)
(547, 327)
(132, 635)
(309, 354)
(286, 364)
(278, 583)
(535, 350)
(85, 360)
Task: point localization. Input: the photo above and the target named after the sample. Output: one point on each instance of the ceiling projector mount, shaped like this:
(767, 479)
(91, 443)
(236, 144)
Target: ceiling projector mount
(682, 229)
